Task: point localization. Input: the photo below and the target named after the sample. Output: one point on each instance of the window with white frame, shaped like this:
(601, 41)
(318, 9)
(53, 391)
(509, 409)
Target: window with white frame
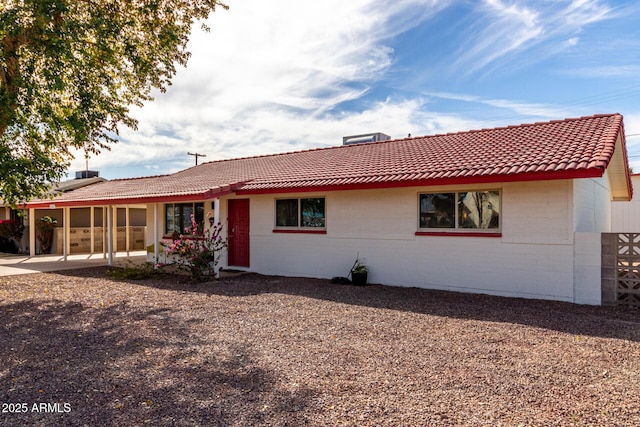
(301, 212)
(469, 210)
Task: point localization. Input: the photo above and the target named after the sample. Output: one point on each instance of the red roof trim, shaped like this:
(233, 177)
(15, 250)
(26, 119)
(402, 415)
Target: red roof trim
(625, 155)
(105, 202)
(130, 201)
(490, 179)
(209, 194)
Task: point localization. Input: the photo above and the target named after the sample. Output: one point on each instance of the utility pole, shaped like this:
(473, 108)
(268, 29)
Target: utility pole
(196, 156)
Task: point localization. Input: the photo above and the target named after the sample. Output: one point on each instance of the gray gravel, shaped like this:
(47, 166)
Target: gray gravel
(259, 350)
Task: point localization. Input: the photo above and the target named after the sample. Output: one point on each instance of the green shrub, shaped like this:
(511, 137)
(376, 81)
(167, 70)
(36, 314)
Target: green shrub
(132, 271)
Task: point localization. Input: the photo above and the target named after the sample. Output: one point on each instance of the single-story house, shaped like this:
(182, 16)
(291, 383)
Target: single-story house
(515, 211)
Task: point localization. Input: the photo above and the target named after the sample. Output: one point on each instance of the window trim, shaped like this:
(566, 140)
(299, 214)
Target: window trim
(291, 230)
(457, 231)
(298, 229)
(453, 232)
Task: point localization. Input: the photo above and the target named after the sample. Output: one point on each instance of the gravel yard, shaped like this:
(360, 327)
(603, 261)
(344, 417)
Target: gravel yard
(78, 348)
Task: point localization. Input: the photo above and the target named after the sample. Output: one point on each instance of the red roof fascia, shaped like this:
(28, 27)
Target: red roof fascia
(125, 201)
(491, 179)
(623, 140)
(209, 194)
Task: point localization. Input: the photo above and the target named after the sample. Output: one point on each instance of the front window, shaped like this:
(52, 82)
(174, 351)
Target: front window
(304, 212)
(178, 216)
(287, 213)
(437, 210)
(478, 210)
(312, 212)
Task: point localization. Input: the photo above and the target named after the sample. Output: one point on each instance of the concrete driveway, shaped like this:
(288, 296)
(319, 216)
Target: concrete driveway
(12, 265)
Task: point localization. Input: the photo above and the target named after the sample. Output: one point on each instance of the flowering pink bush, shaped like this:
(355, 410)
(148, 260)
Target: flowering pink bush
(198, 250)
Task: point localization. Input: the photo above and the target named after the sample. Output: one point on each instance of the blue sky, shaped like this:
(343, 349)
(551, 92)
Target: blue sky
(282, 75)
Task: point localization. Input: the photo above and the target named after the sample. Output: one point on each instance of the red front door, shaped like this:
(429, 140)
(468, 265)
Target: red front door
(239, 232)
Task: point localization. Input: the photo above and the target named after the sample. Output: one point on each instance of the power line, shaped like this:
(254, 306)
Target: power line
(585, 101)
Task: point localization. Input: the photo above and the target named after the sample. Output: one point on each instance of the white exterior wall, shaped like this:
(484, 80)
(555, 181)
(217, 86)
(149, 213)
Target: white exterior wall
(592, 213)
(592, 205)
(535, 257)
(549, 248)
(625, 216)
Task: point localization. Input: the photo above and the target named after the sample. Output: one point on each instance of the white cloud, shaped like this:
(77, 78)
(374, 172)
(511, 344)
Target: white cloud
(508, 108)
(288, 75)
(605, 71)
(268, 77)
(573, 41)
(516, 33)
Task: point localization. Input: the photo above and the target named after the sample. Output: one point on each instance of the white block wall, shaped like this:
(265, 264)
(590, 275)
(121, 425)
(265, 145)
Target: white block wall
(593, 216)
(592, 205)
(549, 248)
(539, 254)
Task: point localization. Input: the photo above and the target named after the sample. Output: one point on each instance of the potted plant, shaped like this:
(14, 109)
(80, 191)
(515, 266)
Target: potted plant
(359, 273)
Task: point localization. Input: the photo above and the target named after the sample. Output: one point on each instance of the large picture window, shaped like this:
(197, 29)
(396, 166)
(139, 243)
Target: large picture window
(479, 210)
(178, 216)
(304, 212)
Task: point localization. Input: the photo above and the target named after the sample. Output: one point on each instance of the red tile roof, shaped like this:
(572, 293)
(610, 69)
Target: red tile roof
(562, 149)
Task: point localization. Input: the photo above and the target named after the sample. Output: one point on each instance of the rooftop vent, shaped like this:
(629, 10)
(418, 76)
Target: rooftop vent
(87, 174)
(366, 137)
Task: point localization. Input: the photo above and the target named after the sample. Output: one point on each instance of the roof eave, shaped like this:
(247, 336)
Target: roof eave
(595, 172)
(619, 172)
(205, 195)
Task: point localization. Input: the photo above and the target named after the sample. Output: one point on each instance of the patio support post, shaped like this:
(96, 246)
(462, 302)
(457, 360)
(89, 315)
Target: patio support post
(110, 234)
(216, 218)
(216, 210)
(114, 229)
(91, 229)
(104, 231)
(66, 231)
(127, 239)
(156, 237)
(32, 232)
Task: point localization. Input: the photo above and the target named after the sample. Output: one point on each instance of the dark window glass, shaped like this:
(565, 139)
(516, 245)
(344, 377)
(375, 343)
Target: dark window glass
(312, 212)
(437, 210)
(178, 217)
(199, 215)
(287, 213)
(186, 210)
(479, 209)
(169, 219)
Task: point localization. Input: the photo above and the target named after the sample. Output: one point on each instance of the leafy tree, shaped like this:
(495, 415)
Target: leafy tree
(69, 72)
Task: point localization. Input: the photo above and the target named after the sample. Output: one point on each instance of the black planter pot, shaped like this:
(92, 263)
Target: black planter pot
(359, 279)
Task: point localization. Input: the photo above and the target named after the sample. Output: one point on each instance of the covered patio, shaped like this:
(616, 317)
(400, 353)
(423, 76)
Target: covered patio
(85, 230)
